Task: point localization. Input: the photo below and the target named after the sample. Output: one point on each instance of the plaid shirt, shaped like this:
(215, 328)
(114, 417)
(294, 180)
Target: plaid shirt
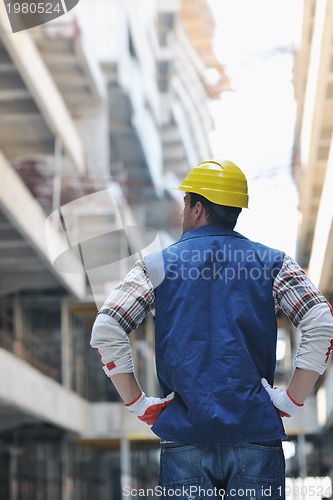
(134, 298)
(293, 293)
(131, 301)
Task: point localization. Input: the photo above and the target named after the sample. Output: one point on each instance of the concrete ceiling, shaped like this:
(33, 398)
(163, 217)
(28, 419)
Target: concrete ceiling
(23, 130)
(21, 269)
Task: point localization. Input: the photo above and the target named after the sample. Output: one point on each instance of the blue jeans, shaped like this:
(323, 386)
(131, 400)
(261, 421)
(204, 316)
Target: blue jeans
(244, 471)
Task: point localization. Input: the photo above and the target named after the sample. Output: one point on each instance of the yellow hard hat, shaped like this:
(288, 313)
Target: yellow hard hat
(221, 182)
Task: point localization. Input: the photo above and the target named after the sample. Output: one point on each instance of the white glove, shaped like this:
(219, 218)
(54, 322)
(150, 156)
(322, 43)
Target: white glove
(282, 400)
(149, 409)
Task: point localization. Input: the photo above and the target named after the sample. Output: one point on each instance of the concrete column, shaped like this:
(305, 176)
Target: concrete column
(301, 455)
(125, 465)
(66, 345)
(13, 471)
(93, 126)
(66, 479)
(56, 198)
(18, 346)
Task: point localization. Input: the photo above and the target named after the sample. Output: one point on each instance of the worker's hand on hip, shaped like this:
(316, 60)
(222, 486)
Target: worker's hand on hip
(149, 409)
(282, 400)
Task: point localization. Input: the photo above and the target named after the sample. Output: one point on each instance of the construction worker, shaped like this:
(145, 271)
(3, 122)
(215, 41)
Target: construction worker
(214, 296)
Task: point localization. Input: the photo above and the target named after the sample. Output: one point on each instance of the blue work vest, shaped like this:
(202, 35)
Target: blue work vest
(215, 337)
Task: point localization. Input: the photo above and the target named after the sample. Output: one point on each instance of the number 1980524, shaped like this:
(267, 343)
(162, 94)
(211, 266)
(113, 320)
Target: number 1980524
(34, 8)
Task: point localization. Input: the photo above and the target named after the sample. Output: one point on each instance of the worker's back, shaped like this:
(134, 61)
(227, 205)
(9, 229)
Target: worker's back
(216, 337)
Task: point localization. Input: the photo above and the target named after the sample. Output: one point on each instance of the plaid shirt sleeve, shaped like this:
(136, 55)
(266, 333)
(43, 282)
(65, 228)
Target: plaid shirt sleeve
(131, 301)
(293, 291)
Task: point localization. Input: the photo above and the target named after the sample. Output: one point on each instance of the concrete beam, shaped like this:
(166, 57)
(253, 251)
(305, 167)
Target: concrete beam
(62, 59)
(32, 69)
(113, 420)
(14, 151)
(14, 94)
(12, 244)
(14, 282)
(32, 393)
(7, 67)
(321, 260)
(18, 118)
(168, 5)
(28, 264)
(21, 209)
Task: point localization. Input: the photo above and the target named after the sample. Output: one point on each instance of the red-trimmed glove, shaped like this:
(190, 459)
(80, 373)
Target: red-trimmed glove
(283, 402)
(149, 409)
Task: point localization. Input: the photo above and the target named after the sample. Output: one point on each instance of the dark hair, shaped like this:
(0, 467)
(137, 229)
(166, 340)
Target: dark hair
(217, 215)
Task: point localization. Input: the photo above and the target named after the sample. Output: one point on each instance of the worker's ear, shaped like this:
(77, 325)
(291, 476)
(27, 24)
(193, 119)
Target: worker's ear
(199, 210)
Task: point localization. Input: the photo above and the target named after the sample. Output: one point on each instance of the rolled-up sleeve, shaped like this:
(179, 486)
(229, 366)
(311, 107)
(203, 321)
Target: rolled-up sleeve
(316, 339)
(308, 310)
(123, 311)
(112, 345)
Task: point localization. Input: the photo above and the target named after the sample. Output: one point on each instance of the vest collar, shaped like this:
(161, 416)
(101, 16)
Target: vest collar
(209, 230)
